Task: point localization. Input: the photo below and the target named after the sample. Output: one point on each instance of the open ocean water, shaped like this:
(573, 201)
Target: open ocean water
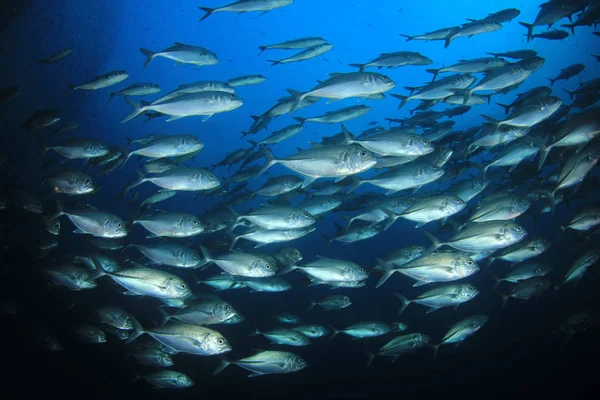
(530, 347)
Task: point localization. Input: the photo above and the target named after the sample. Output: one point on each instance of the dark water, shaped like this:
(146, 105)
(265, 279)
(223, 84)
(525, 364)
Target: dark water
(515, 355)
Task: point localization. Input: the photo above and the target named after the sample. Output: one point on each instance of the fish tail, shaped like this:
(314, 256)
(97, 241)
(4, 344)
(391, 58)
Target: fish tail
(550, 197)
(334, 331)
(138, 330)
(274, 62)
(493, 121)
(262, 48)
(370, 357)
(405, 302)
(205, 254)
(408, 37)
(435, 243)
(208, 11)
(149, 56)
(597, 57)
(435, 348)
(544, 151)
(356, 183)
(551, 81)
(571, 94)
(482, 168)
(59, 211)
(433, 71)
(301, 120)
(270, 161)
(164, 316)
(505, 106)
(110, 97)
(138, 110)
(495, 278)
(71, 88)
(361, 67)
(571, 27)
(493, 54)
(447, 41)
(141, 179)
(298, 97)
(224, 364)
(312, 304)
(388, 271)
(529, 30)
(392, 218)
(403, 99)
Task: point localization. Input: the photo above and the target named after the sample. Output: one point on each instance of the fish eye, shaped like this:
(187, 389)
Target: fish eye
(195, 222)
(425, 141)
(518, 228)
(433, 166)
(470, 263)
(220, 341)
(182, 286)
(267, 266)
(306, 215)
(195, 255)
(363, 153)
(420, 248)
(211, 176)
(226, 308)
(119, 225)
(361, 270)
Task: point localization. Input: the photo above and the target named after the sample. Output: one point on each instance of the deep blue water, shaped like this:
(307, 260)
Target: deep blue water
(514, 355)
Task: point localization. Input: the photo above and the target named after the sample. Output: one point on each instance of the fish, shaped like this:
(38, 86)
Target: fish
(204, 104)
(70, 277)
(449, 295)
(286, 337)
(246, 80)
(137, 89)
(142, 281)
(332, 302)
(340, 115)
(346, 85)
(100, 81)
(280, 135)
(581, 265)
(361, 330)
(267, 362)
(439, 34)
(185, 338)
(295, 44)
(471, 66)
(306, 54)
(183, 54)
(394, 60)
(472, 28)
(242, 264)
(203, 312)
(324, 162)
(482, 236)
(243, 6)
(521, 251)
(170, 224)
(92, 221)
(171, 254)
(41, 119)
(115, 317)
(164, 378)
(58, 56)
(432, 268)
(70, 182)
(400, 345)
(461, 331)
(276, 217)
(584, 220)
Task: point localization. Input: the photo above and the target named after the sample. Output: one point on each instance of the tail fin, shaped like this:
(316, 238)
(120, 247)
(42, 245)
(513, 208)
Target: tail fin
(405, 302)
(388, 270)
(270, 161)
(496, 280)
(493, 54)
(138, 110)
(447, 41)
(506, 107)
(149, 56)
(262, 48)
(110, 96)
(408, 37)
(164, 316)
(356, 183)
(435, 243)
(301, 120)
(529, 30)
(312, 304)
(495, 123)
(467, 93)
(361, 67)
(59, 211)
(435, 73)
(597, 57)
(138, 330)
(71, 88)
(571, 27)
(224, 364)
(403, 100)
(551, 81)
(141, 179)
(274, 62)
(370, 356)
(208, 11)
(571, 94)
(435, 348)
(550, 197)
(298, 97)
(334, 332)
(205, 254)
(544, 155)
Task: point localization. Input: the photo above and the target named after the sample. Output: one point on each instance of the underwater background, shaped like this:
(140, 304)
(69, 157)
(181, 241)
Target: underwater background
(517, 354)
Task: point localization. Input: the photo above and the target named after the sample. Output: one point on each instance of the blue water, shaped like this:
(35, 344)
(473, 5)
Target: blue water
(514, 354)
